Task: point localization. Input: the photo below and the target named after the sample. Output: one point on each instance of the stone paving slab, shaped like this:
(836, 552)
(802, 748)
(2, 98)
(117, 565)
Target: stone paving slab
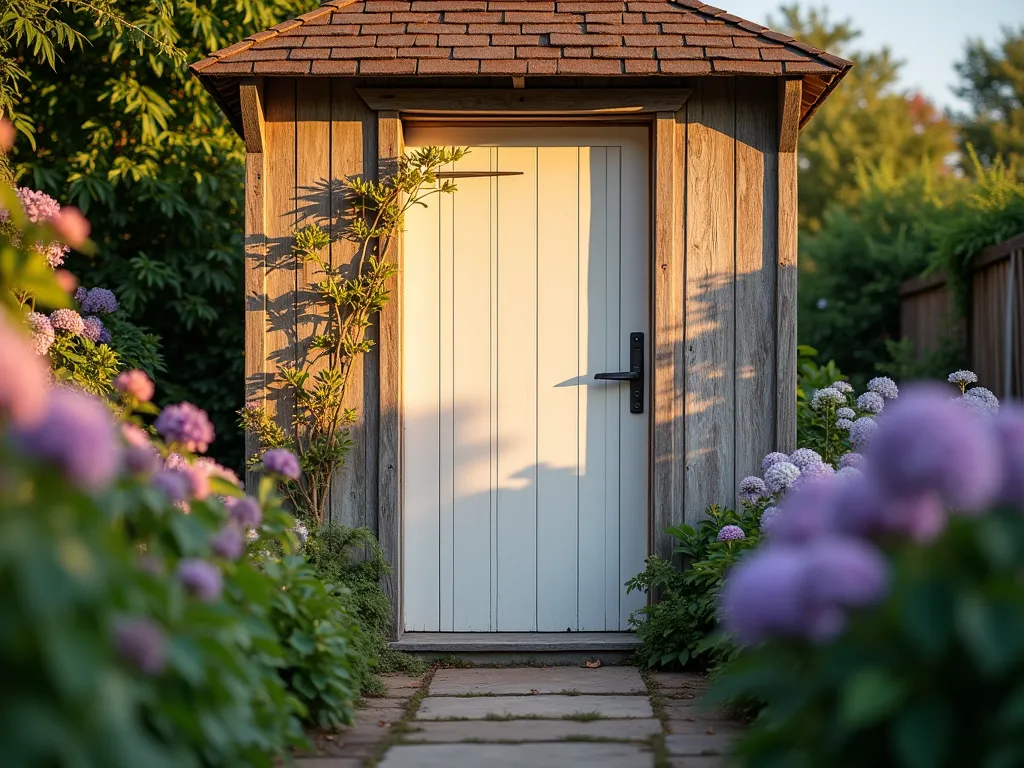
(479, 707)
(696, 744)
(531, 730)
(675, 680)
(456, 682)
(401, 686)
(328, 762)
(592, 755)
(698, 762)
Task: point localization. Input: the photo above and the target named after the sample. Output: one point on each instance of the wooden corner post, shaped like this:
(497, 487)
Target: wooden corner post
(390, 147)
(786, 297)
(253, 124)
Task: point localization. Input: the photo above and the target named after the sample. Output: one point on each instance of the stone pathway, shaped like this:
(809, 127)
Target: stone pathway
(538, 717)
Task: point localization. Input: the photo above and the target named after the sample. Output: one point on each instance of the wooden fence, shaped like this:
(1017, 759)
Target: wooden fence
(995, 327)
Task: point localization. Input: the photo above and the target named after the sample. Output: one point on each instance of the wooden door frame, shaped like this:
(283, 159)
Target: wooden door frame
(662, 110)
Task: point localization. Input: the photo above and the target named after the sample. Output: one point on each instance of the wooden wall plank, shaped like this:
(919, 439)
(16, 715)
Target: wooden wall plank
(667, 368)
(255, 296)
(353, 126)
(786, 296)
(312, 206)
(756, 270)
(390, 148)
(710, 297)
(280, 229)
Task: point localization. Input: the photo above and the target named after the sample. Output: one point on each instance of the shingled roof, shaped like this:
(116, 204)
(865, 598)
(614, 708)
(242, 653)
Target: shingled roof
(519, 38)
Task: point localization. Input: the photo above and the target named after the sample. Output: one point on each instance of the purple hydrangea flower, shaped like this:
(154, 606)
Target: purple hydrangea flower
(772, 459)
(930, 445)
(201, 579)
(781, 476)
(862, 431)
(806, 512)
(872, 402)
(245, 511)
(77, 434)
(803, 458)
(821, 469)
(92, 329)
(841, 572)
(827, 396)
(731, 533)
(283, 462)
(862, 509)
(24, 377)
(228, 543)
(851, 460)
(173, 484)
(841, 386)
(767, 517)
(99, 301)
(80, 293)
(141, 644)
(302, 532)
(848, 473)
(1009, 430)
(135, 383)
(186, 425)
(763, 595)
(753, 488)
(140, 456)
(67, 320)
(846, 413)
(42, 332)
(884, 386)
(844, 424)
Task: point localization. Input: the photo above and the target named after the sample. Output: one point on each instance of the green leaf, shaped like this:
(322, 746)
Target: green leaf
(921, 735)
(868, 697)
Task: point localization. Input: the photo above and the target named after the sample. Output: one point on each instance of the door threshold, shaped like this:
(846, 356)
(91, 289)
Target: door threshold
(516, 642)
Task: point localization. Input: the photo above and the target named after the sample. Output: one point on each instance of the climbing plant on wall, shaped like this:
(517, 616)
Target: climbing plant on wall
(347, 299)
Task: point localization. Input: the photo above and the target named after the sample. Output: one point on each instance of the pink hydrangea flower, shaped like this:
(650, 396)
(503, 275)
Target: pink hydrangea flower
(186, 425)
(135, 383)
(24, 377)
(42, 332)
(67, 320)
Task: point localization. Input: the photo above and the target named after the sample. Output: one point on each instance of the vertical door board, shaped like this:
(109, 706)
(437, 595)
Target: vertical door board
(786, 308)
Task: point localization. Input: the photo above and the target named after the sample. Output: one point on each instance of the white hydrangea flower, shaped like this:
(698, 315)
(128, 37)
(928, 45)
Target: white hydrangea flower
(963, 377)
(773, 458)
(846, 413)
(827, 395)
(842, 386)
(884, 386)
(872, 402)
(984, 395)
(862, 431)
(804, 458)
(768, 516)
(780, 477)
(845, 424)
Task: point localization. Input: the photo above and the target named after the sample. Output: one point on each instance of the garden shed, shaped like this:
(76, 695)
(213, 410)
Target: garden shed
(627, 206)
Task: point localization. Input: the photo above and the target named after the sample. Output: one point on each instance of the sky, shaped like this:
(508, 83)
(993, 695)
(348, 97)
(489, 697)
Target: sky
(927, 35)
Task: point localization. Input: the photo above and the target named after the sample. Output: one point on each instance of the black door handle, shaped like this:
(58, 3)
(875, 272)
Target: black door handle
(635, 374)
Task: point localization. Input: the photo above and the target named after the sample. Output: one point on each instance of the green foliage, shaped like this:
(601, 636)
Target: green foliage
(929, 679)
(867, 122)
(849, 289)
(89, 366)
(990, 210)
(679, 629)
(124, 132)
(992, 83)
(905, 363)
(353, 558)
(348, 297)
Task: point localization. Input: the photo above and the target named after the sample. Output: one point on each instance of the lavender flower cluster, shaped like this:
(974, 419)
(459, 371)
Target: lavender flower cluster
(930, 459)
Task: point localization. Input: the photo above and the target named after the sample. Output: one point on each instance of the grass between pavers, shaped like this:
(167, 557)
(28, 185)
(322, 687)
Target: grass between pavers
(657, 700)
(579, 717)
(401, 726)
(566, 692)
(578, 737)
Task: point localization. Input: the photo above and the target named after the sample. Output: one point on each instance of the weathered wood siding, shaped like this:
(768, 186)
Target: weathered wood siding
(724, 287)
(733, 319)
(318, 133)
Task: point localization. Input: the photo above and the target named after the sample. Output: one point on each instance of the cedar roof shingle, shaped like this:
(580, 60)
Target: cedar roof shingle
(523, 37)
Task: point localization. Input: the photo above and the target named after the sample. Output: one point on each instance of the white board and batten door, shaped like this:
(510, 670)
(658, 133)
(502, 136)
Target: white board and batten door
(525, 480)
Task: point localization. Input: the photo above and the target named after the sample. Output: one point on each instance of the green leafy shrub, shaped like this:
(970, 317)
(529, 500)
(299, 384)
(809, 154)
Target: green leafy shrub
(679, 629)
(881, 622)
(353, 558)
